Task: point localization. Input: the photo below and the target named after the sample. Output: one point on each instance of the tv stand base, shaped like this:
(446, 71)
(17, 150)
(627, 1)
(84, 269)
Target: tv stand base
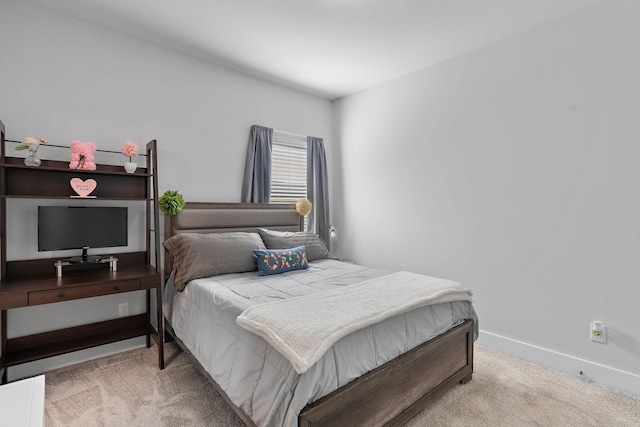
(113, 263)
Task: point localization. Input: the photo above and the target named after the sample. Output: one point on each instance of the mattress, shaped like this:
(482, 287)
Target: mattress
(257, 378)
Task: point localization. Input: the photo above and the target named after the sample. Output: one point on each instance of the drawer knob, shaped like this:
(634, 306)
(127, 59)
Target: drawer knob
(60, 295)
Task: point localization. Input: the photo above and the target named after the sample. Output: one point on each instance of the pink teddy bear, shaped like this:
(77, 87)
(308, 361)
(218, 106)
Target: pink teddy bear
(82, 156)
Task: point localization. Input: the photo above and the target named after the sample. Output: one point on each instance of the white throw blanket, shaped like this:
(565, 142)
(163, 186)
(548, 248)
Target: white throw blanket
(302, 329)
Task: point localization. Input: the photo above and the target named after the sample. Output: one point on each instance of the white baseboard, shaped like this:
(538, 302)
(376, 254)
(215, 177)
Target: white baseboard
(622, 381)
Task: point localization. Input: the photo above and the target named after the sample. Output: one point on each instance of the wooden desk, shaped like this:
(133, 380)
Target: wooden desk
(33, 281)
(15, 293)
(22, 403)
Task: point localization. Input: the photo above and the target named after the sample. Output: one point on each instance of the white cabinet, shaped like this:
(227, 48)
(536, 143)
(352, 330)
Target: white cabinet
(22, 403)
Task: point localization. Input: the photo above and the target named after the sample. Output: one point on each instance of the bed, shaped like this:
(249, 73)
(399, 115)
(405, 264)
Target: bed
(382, 374)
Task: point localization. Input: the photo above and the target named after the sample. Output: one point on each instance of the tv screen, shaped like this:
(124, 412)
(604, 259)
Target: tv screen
(77, 227)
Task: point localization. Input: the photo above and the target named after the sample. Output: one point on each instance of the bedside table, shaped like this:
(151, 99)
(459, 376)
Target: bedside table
(22, 402)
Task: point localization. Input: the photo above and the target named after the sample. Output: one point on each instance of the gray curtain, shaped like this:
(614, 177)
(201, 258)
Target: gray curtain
(318, 188)
(256, 185)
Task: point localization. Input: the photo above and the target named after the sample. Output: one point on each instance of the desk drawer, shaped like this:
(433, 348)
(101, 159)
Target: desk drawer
(66, 294)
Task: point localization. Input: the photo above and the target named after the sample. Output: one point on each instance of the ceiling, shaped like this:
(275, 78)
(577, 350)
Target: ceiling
(330, 48)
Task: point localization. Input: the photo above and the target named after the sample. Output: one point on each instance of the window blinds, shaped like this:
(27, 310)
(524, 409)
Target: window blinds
(288, 168)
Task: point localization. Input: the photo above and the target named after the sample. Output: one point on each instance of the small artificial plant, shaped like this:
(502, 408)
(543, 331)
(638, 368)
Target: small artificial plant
(31, 144)
(130, 149)
(171, 202)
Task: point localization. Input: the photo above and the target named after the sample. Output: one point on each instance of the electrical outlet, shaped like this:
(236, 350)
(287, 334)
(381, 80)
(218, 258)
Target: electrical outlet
(598, 332)
(123, 309)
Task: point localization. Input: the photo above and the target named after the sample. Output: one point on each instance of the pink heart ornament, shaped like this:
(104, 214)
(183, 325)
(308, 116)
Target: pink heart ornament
(83, 188)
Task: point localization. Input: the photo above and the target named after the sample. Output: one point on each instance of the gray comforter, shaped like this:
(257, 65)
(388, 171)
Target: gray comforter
(255, 376)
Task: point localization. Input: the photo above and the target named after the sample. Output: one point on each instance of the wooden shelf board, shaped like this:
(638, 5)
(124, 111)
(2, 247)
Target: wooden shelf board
(11, 196)
(112, 331)
(63, 166)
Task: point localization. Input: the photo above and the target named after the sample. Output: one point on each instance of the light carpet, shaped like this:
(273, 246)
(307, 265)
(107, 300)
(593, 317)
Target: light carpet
(127, 389)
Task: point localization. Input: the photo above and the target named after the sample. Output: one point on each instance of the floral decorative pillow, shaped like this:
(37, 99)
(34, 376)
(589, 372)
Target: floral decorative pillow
(276, 261)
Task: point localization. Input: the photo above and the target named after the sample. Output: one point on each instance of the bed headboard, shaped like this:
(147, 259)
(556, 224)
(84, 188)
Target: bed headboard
(199, 217)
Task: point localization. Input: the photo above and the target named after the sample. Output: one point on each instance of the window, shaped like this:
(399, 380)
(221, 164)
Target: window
(288, 168)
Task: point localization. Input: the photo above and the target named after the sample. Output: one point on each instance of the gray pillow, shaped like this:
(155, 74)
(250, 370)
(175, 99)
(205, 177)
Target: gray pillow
(202, 255)
(316, 249)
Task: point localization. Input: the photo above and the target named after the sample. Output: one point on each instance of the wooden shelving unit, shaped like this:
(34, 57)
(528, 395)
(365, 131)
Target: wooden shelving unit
(33, 282)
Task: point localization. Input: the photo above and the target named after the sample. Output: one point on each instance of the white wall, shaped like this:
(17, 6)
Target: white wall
(515, 170)
(63, 79)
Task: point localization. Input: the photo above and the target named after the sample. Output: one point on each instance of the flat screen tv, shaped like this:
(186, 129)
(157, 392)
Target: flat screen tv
(81, 227)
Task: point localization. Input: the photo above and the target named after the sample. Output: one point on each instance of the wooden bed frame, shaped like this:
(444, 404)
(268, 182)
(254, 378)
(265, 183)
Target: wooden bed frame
(391, 394)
